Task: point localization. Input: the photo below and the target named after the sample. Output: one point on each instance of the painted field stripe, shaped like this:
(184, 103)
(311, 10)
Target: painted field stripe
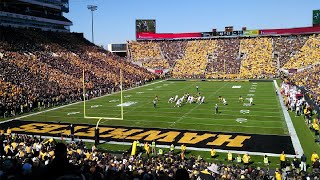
(198, 105)
(210, 119)
(144, 103)
(169, 122)
(293, 134)
(59, 107)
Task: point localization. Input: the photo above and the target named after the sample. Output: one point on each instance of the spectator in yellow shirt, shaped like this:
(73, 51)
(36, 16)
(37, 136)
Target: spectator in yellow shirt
(229, 158)
(314, 157)
(213, 153)
(246, 159)
(278, 175)
(183, 148)
(282, 160)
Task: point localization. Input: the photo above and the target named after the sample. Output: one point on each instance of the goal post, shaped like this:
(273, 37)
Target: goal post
(85, 116)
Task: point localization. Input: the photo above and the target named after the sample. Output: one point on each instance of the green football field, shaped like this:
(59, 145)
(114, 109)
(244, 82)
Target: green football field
(264, 117)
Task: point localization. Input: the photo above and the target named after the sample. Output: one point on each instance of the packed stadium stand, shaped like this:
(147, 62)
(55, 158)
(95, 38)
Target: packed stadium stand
(46, 68)
(193, 65)
(38, 158)
(308, 55)
(173, 50)
(309, 78)
(285, 48)
(257, 58)
(232, 57)
(224, 62)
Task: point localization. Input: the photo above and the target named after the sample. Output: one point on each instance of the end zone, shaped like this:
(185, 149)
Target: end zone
(198, 140)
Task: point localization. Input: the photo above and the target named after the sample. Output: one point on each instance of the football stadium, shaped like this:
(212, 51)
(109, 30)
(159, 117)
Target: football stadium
(221, 104)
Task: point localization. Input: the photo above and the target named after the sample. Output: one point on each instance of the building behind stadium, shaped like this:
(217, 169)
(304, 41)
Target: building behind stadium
(46, 15)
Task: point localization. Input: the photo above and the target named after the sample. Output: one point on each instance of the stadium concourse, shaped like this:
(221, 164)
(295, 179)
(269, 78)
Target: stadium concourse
(43, 69)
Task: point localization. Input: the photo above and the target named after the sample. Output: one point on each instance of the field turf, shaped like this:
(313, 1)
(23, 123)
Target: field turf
(264, 117)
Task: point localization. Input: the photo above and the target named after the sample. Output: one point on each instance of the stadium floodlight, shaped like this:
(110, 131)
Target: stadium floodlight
(92, 8)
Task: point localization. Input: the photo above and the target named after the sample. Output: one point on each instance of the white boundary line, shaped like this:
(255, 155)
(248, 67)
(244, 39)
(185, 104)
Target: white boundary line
(292, 132)
(59, 107)
(167, 146)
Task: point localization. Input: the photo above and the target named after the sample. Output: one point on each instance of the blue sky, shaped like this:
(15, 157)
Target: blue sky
(114, 21)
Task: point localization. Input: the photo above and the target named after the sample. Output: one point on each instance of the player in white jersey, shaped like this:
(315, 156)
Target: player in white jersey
(176, 98)
(189, 99)
(202, 100)
(199, 100)
(216, 109)
(171, 100)
(224, 101)
(178, 103)
(297, 110)
(251, 101)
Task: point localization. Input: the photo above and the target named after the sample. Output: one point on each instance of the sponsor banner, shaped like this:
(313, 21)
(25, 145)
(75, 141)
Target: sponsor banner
(191, 138)
(300, 30)
(251, 32)
(151, 35)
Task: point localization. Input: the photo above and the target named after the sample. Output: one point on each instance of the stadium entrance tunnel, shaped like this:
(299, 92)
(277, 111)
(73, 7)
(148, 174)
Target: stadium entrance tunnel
(199, 139)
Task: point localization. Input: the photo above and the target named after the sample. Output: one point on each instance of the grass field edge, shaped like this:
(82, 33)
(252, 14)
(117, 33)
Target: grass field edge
(292, 132)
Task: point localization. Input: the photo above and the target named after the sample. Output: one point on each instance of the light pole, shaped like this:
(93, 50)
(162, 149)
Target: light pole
(92, 8)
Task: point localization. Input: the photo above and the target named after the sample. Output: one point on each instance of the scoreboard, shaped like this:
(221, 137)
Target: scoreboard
(222, 33)
(229, 33)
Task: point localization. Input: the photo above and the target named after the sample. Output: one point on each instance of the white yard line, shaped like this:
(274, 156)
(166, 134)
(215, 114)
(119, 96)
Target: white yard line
(59, 107)
(170, 122)
(293, 134)
(177, 121)
(145, 104)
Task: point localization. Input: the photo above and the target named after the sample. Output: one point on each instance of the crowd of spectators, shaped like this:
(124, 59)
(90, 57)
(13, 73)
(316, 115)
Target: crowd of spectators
(309, 79)
(256, 60)
(32, 157)
(156, 64)
(225, 61)
(308, 55)
(287, 46)
(144, 50)
(255, 57)
(173, 50)
(194, 63)
(43, 69)
(150, 54)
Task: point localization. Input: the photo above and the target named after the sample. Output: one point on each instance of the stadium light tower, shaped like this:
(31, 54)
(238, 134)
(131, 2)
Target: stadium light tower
(92, 8)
